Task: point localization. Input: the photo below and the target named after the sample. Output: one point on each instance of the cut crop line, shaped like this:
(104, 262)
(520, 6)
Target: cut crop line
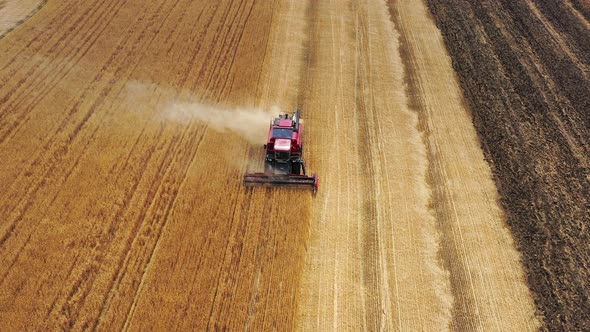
(46, 88)
(219, 270)
(57, 153)
(53, 70)
(23, 19)
(29, 78)
(216, 50)
(58, 22)
(124, 207)
(230, 48)
(124, 261)
(165, 218)
(236, 47)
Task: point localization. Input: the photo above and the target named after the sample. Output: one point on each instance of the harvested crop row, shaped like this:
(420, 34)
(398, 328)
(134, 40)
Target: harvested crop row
(407, 233)
(524, 69)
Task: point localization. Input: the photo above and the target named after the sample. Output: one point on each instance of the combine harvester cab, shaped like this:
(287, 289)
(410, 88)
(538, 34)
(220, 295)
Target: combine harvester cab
(283, 165)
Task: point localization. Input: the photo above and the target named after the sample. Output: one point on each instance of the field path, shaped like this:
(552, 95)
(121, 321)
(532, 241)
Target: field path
(121, 208)
(407, 232)
(15, 12)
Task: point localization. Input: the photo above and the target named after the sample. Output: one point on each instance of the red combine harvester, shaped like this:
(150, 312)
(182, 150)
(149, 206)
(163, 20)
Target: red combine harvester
(283, 166)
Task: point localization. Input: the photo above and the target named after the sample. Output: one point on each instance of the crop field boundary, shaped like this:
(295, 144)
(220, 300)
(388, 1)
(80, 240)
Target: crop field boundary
(523, 67)
(3, 5)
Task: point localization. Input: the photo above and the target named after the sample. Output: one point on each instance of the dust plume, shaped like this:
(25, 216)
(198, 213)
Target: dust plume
(249, 123)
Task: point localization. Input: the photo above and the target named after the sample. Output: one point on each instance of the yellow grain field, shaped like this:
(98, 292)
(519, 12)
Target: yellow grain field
(126, 126)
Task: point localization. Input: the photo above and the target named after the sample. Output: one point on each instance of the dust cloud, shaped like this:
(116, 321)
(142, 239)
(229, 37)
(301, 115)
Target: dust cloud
(249, 123)
(179, 107)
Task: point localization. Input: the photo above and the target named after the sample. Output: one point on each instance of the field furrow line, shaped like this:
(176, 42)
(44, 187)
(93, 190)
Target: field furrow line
(260, 252)
(25, 115)
(13, 261)
(67, 176)
(236, 44)
(209, 69)
(226, 50)
(134, 234)
(107, 233)
(42, 37)
(27, 83)
(8, 27)
(370, 228)
(103, 94)
(582, 7)
(59, 151)
(202, 70)
(214, 302)
(56, 298)
(562, 19)
(93, 267)
(144, 221)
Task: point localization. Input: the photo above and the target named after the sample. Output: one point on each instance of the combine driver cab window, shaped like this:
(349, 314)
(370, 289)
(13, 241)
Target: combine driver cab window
(282, 132)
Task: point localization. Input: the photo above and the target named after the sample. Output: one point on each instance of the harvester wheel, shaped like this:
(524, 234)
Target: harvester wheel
(268, 167)
(296, 168)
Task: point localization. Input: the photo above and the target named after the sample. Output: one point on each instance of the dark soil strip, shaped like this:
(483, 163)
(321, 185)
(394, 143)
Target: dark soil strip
(531, 106)
(583, 6)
